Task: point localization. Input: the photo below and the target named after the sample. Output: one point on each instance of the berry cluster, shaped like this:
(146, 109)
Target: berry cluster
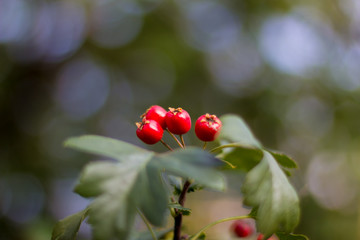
(176, 121)
(243, 229)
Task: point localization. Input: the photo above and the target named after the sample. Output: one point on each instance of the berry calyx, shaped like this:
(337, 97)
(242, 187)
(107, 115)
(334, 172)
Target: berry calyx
(207, 127)
(156, 113)
(149, 131)
(178, 121)
(242, 228)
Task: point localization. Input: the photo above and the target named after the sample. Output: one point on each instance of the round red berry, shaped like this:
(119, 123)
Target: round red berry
(207, 127)
(149, 131)
(242, 228)
(178, 121)
(156, 113)
(261, 237)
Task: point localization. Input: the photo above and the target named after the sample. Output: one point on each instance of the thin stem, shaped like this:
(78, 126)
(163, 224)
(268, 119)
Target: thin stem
(204, 146)
(228, 163)
(173, 136)
(182, 140)
(147, 224)
(166, 145)
(231, 145)
(178, 218)
(217, 222)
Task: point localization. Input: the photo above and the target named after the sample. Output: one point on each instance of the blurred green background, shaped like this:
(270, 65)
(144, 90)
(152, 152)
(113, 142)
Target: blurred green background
(290, 68)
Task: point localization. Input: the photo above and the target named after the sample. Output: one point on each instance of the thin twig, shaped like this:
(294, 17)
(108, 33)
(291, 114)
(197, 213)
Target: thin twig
(204, 146)
(147, 224)
(178, 218)
(182, 140)
(217, 222)
(166, 145)
(173, 136)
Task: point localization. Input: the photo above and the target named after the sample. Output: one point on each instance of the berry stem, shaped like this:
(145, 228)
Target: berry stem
(217, 222)
(204, 146)
(173, 136)
(182, 140)
(147, 224)
(178, 218)
(166, 145)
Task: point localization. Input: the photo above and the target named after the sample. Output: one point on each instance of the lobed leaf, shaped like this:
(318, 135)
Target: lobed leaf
(284, 160)
(285, 236)
(135, 182)
(267, 189)
(195, 164)
(242, 158)
(67, 228)
(235, 130)
(104, 146)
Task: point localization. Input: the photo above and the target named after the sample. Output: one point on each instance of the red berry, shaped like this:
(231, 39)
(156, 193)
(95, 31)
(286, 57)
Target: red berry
(149, 131)
(156, 113)
(207, 127)
(261, 237)
(178, 121)
(242, 228)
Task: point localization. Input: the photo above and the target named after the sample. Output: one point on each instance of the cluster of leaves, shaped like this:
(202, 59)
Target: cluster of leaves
(134, 183)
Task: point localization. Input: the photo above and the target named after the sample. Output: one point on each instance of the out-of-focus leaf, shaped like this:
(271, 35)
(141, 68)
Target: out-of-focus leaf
(287, 236)
(241, 150)
(268, 190)
(253, 212)
(235, 130)
(195, 164)
(120, 188)
(67, 228)
(284, 160)
(242, 158)
(147, 235)
(104, 146)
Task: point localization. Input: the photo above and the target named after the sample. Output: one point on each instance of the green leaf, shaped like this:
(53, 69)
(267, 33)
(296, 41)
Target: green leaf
(135, 182)
(242, 158)
(103, 146)
(267, 188)
(286, 236)
(235, 130)
(147, 235)
(185, 211)
(241, 149)
(193, 163)
(67, 228)
(284, 160)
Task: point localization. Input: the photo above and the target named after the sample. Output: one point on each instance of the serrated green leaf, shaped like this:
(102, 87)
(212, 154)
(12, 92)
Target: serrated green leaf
(267, 188)
(235, 130)
(241, 148)
(286, 236)
(193, 163)
(134, 182)
(242, 158)
(185, 211)
(67, 228)
(284, 160)
(104, 146)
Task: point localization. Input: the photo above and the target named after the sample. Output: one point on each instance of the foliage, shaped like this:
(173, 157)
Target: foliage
(134, 182)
